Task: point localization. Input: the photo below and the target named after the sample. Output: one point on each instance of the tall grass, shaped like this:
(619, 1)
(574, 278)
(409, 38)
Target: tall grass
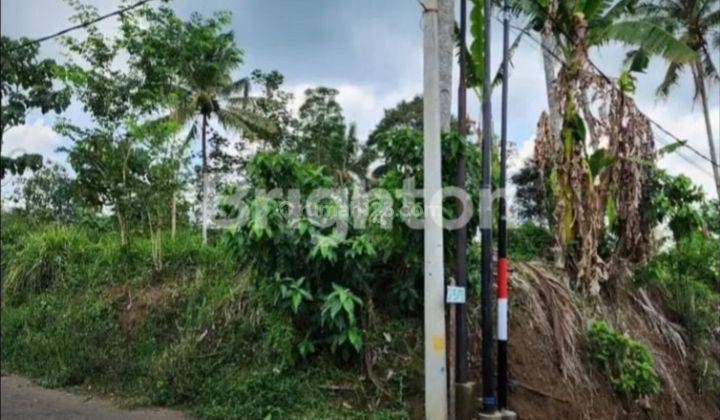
(43, 260)
(81, 309)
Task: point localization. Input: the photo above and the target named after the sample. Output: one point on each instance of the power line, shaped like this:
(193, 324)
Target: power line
(80, 25)
(660, 127)
(684, 157)
(613, 86)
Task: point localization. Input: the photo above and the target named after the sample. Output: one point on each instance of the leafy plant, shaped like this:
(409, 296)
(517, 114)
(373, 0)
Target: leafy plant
(338, 314)
(627, 362)
(293, 291)
(529, 241)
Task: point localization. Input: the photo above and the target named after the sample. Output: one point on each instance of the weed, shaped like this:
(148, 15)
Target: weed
(627, 362)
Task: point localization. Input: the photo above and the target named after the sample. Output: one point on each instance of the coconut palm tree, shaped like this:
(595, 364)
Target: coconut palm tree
(207, 92)
(694, 23)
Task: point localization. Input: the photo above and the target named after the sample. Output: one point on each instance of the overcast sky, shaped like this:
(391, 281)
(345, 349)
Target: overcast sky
(371, 51)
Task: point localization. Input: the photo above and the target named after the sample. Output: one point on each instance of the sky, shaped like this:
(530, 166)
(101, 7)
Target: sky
(371, 51)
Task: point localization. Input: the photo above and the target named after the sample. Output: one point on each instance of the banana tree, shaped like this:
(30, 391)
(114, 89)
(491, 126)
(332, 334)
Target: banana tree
(581, 192)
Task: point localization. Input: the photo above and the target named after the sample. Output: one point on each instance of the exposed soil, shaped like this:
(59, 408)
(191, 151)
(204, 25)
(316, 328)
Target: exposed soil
(539, 390)
(136, 306)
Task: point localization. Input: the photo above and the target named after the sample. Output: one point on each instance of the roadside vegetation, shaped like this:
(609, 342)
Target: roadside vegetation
(117, 276)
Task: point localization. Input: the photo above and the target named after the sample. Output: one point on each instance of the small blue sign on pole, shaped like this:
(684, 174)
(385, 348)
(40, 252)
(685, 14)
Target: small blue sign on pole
(455, 294)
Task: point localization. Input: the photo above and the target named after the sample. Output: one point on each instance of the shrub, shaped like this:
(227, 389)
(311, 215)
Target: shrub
(690, 283)
(528, 241)
(338, 314)
(627, 362)
(43, 260)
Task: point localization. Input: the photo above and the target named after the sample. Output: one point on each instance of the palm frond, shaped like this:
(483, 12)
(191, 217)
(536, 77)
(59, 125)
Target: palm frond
(511, 53)
(184, 110)
(241, 86)
(709, 71)
(592, 8)
(712, 19)
(671, 78)
(247, 123)
(192, 133)
(649, 37)
(617, 11)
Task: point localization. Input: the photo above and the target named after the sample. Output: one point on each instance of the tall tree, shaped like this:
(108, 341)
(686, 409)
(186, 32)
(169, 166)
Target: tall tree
(121, 160)
(274, 106)
(692, 22)
(193, 61)
(323, 137)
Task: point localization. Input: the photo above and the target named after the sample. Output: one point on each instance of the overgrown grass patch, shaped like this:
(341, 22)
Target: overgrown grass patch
(198, 332)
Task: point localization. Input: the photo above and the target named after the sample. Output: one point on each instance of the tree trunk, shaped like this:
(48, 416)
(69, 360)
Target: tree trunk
(173, 216)
(204, 174)
(549, 47)
(700, 84)
(446, 29)
(121, 229)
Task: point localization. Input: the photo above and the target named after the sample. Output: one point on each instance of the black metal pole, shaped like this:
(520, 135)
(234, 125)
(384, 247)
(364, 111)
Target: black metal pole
(502, 226)
(461, 274)
(488, 376)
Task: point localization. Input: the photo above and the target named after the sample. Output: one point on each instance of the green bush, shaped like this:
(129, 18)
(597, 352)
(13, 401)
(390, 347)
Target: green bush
(529, 241)
(686, 275)
(627, 362)
(302, 262)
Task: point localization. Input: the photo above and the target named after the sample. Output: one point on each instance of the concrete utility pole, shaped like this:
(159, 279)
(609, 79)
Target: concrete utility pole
(434, 287)
(446, 46)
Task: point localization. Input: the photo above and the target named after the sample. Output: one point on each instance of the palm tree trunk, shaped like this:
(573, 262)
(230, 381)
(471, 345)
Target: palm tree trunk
(700, 83)
(204, 174)
(548, 49)
(173, 216)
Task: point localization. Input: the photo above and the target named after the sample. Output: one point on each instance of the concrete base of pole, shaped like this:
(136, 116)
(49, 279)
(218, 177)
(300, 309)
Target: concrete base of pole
(508, 414)
(465, 400)
(495, 415)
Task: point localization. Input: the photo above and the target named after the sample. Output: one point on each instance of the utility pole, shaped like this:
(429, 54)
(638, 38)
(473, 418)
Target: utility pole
(434, 285)
(502, 269)
(488, 376)
(446, 47)
(464, 389)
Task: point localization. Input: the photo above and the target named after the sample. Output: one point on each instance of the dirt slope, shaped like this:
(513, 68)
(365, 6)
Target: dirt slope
(551, 374)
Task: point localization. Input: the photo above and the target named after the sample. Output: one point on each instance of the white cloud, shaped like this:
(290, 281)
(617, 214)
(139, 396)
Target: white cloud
(691, 127)
(36, 137)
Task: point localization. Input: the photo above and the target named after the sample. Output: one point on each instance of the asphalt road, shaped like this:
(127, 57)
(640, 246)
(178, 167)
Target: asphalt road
(21, 399)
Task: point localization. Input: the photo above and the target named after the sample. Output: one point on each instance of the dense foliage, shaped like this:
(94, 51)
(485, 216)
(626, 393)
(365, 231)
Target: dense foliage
(80, 309)
(313, 274)
(627, 362)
